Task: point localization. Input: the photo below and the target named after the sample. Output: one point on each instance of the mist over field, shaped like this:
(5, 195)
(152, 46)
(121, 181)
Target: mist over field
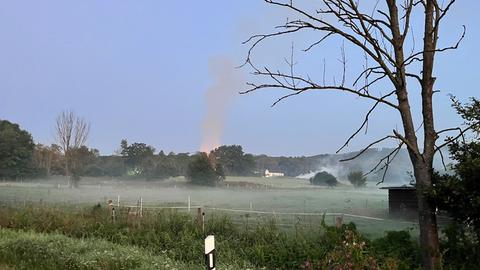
(287, 197)
(239, 135)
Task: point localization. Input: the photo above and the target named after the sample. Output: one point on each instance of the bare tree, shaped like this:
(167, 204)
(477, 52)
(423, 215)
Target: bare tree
(379, 29)
(71, 133)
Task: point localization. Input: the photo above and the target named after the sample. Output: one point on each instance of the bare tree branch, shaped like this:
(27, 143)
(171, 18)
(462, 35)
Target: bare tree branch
(368, 147)
(414, 57)
(364, 123)
(71, 133)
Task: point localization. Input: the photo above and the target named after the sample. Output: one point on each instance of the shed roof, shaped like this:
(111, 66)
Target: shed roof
(404, 187)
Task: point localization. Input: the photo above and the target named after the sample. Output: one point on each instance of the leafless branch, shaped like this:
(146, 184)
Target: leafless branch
(441, 157)
(368, 147)
(461, 134)
(364, 123)
(388, 159)
(415, 56)
(71, 133)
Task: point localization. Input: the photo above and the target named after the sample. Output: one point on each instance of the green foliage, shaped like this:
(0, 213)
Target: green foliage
(351, 253)
(82, 162)
(29, 250)
(398, 244)
(323, 178)
(294, 166)
(291, 166)
(178, 237)
(459, 193)
(48, 160)
(469, 112)
(138, 157)
(357, 179)
(107, 166)
(16, 151)
(202, 172)
(233, 160)
(461, 247)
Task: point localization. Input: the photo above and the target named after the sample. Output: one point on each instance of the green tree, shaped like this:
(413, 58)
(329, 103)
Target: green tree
(166, 166)
(113, 166)
(459, 193)
(324, 178)
(83, 162)
(48, 160)
(201, 171)
(138, 157)
(220, 172)
(357, 179)
(233, 160)
(16, 151)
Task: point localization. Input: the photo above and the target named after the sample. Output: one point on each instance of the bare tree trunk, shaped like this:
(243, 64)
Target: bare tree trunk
(380, 35)
(49, 162)
(72, 133)
(67, 171)
(427, 217)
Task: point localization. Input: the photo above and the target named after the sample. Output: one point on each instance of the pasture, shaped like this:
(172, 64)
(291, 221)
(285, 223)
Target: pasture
(290, 202)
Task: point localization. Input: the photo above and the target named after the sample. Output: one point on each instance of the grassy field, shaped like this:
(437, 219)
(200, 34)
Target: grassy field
(277, 195)
(46, 237)
(30, 250)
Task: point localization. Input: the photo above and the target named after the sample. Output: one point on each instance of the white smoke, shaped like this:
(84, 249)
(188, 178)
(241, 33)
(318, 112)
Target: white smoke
(227, 81)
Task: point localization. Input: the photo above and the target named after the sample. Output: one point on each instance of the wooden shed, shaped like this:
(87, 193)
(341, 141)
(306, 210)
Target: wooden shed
(402, 200)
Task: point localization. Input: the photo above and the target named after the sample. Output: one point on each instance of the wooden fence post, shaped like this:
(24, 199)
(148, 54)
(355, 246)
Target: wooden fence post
(199, 217)
(339, 222)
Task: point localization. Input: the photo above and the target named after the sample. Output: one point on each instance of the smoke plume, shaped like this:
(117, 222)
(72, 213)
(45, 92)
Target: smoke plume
(227, 82)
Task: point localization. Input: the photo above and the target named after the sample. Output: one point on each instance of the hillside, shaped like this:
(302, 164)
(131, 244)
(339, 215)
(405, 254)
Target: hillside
(305, 167)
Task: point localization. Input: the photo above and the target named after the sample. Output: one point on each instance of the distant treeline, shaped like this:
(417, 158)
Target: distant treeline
(138, 160)
(296, 166)
(21, 158)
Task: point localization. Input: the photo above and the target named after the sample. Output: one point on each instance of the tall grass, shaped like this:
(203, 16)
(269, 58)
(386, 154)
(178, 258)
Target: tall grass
(29, 250)
(178, 237)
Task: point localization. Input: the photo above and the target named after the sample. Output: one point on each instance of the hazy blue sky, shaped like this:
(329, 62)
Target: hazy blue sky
(140, 69)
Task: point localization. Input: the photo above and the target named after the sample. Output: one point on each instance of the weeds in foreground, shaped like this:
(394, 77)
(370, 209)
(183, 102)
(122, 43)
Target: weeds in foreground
(178, 237)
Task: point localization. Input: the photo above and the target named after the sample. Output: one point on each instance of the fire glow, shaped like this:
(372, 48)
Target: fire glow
(227, 82)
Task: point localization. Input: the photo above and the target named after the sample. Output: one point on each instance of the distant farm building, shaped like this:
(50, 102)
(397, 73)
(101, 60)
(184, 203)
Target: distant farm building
(402, 200)
(273, 174)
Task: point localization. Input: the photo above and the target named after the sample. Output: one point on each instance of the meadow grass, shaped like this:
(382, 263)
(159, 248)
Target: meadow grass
(281, 195)
(178, 237)
(32, 250)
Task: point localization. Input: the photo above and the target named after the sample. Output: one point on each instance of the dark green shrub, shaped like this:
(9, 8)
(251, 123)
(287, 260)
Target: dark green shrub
(202, 172)
(324, 178)
(461, 247)
(357, 179)
(400, 245)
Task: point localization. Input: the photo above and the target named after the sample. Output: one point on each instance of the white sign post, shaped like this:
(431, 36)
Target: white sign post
(210, 252)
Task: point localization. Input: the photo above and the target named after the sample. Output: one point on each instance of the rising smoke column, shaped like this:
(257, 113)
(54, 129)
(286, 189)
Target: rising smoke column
(227, 82)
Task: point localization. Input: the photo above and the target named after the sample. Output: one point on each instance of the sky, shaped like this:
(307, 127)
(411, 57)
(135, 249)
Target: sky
(142, 70)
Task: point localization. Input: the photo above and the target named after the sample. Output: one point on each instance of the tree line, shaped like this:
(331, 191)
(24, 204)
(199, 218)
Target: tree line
(21, 158)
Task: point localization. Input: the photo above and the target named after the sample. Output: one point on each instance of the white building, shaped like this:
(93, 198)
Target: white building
(273, 174)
